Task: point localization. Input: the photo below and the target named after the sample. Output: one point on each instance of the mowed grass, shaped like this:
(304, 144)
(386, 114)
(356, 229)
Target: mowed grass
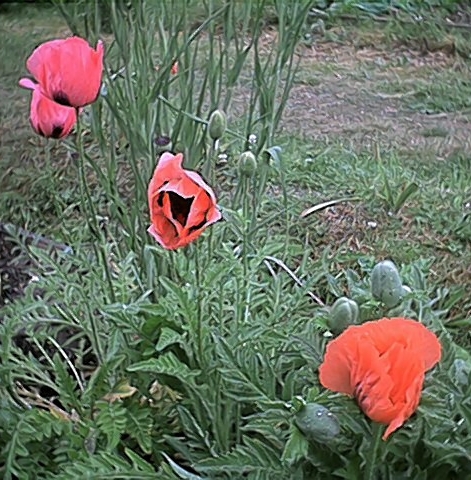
(330, 152)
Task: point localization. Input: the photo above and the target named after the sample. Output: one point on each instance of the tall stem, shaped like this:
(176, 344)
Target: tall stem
(210, 162)
(91, 219)
(199, 309)
(370, 473)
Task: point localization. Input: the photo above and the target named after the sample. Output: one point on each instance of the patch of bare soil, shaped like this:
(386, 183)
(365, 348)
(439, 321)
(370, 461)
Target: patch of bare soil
(361, 92)
(15, 269)
(346, 225)
(347, 102)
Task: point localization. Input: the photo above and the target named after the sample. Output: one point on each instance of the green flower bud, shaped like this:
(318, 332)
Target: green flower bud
(344, 312)
(217, 124)
(247, 164)
(317, 423)
(386, 284)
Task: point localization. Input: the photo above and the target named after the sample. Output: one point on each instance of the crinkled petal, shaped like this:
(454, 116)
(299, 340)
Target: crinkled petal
(164, 232)
(382, 363)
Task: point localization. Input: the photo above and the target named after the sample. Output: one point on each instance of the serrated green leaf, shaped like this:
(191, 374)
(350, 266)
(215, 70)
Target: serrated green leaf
(296, 448)
(168, 337)
(181, 472)
(140, 424)
(112, 421)
(255, 457)
(166, 364)
(138, 462)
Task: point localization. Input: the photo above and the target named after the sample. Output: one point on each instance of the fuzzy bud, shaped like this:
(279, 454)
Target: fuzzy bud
(386, 284)
(217, 124)
(344, 312)
(247, 164)
(317, 423)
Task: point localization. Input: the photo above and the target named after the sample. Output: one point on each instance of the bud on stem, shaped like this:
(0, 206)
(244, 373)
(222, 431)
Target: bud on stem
(217, 124)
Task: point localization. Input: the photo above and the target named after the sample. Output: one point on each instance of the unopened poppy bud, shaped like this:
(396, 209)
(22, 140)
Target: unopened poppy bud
(217, 124)
(317, 423)
(247, 164)
(344, 312)
(386, 284)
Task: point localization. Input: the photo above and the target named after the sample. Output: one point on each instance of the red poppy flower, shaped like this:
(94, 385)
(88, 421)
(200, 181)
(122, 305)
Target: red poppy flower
(175, 68)
(48, 118)
(181, 204)
(69, 71)
(382, 364)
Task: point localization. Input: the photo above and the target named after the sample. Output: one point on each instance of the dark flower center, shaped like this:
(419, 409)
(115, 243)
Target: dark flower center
(62, 99)
(180, 207)
(197, 227)
(57, 131)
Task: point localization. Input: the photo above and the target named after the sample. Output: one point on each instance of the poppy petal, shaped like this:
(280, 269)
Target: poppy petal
(382, 363)
(196, 177)
(48, 118)
(169, 167)
(164, 232)
(168, 214)
(183, 187)
(335, 373)
(69, 70)
(27, 83)
(182, 197)
(413, 395)
(198, 214)
(405, 330)
(42, 53)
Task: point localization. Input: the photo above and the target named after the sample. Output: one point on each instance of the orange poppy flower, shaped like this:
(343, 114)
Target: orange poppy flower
(181, 204)
(382, 364)
(69, 71)
(48, 118)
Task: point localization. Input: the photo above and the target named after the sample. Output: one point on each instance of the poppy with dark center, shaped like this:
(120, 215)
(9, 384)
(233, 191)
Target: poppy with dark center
(181, 204)
(48, 118)
(69, 70)
(382, 364)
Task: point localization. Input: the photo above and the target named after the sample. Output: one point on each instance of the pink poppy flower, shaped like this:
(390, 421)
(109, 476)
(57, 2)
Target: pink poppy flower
(48, 118)
(181, 204)
(69, 71)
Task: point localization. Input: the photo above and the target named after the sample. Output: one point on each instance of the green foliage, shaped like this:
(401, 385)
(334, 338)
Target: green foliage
(127, 361)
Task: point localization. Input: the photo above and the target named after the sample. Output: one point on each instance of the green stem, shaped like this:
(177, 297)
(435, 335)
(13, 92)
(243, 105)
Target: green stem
(377, 432)
(48, 146)
(91, 219)
(210, 162)
(91, 216)
(96, 337)
(246, 215)
(199, 309)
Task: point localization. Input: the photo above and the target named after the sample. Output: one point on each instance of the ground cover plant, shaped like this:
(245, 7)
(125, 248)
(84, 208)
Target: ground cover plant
(242, 250)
